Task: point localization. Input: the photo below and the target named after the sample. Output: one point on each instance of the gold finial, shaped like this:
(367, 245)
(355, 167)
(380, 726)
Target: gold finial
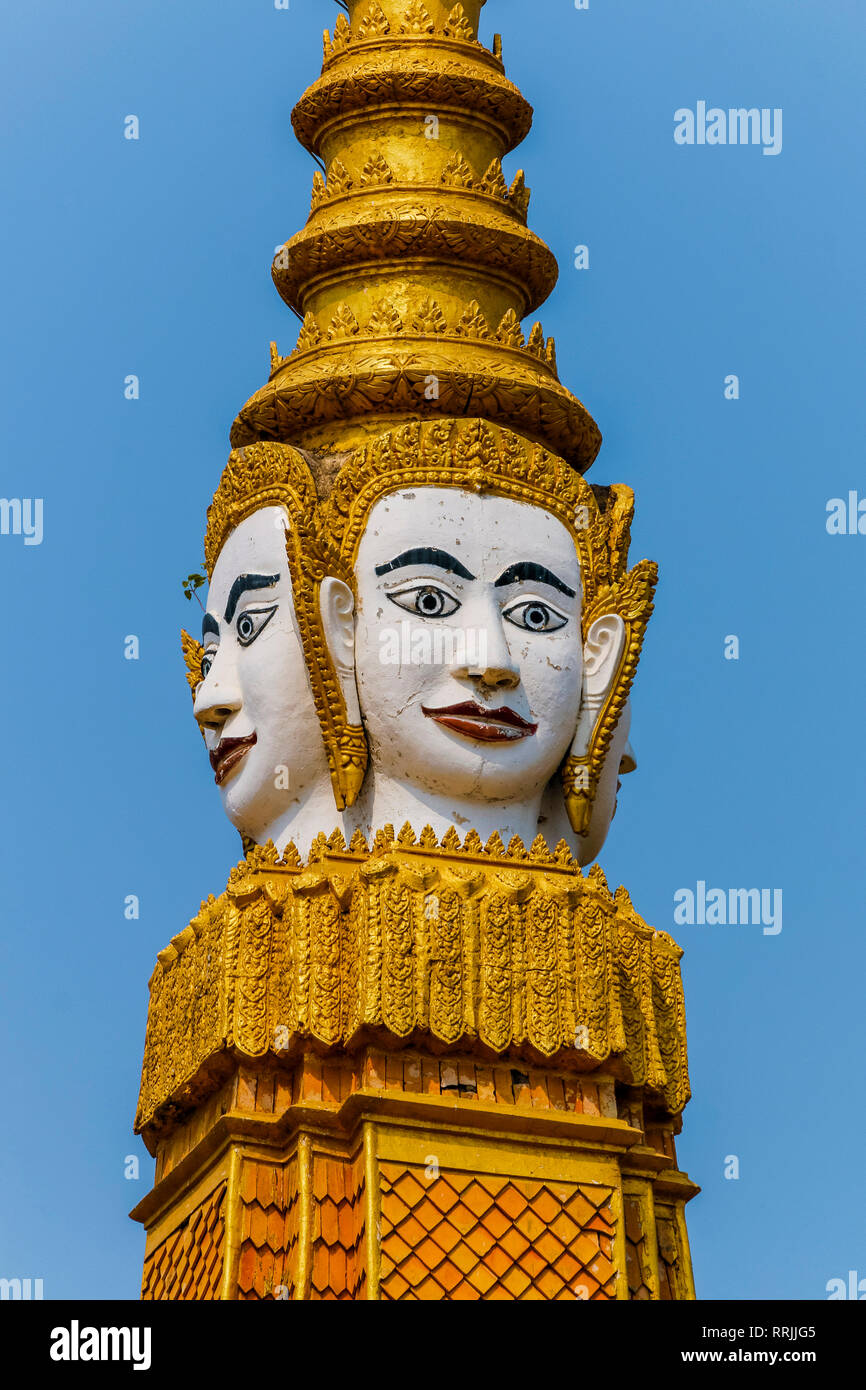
(416, 268)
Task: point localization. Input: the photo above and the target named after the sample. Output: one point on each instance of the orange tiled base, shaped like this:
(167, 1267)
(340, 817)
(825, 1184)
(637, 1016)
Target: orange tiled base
(189, 1264)
(444, 1232)
(463, 1237)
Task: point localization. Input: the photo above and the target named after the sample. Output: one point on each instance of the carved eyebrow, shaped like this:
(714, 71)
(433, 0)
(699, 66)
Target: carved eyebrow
(209, 624)
(244, 582)
(528, 569)
(426, 555)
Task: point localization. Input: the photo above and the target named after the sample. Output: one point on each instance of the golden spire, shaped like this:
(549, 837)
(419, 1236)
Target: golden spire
(416, 266)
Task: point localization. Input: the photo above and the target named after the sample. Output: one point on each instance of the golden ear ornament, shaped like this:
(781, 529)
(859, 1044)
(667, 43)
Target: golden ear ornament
(632, 600)
(310, 560)
(193, 651)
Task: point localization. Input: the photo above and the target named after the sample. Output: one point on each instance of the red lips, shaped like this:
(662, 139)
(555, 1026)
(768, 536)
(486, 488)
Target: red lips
(501, 725)
(228, 754)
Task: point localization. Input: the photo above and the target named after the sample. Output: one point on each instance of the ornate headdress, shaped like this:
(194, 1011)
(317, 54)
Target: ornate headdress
(263, 475)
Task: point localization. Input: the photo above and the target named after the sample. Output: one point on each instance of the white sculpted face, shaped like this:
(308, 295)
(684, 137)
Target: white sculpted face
(254, 704)
(468, 651)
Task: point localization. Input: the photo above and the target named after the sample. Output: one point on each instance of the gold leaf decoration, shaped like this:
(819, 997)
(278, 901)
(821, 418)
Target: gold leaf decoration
(535, 344)
(417, 19)
(320, 191)
(494, 846)
(550, 354)
(509, 332)
(619, 514)
(473, 324)
(383, 840)
(339, 178)
(457, 25)
(473, 844)
(429, 318)
(193, 652)
(518, 195)
(343, 324)
(428, 838)
(275, 358)
(341, 947)
(385, 321)
(376, 171)
(597, 878)
(539, 852)
(457, 173)
(319, 848)
(327, 46)
(407, 835)
(310, 335)
(494, 180)
(342, 34)
(451, 840)
(374, 24)
(357, 844)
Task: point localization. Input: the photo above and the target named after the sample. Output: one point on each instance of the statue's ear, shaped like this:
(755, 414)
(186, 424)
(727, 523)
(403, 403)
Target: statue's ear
(614, 635)
(603, 649)
(602, 652)
(337, 610)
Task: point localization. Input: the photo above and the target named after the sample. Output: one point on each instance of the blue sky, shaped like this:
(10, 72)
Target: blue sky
(152, 258)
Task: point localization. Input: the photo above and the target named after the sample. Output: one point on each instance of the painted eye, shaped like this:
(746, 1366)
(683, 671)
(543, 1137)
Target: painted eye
(426, 601)
(206, 664)
(252, 622)
(535, 616)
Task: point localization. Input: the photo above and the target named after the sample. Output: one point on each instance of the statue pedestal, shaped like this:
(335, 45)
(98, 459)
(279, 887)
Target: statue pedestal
(429, 1072)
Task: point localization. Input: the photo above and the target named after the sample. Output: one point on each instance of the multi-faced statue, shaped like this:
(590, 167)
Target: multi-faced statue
(448, 639)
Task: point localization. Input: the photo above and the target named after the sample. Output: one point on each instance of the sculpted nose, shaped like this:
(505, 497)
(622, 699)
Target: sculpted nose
(488, 658)
(496, 677)
(217, 698)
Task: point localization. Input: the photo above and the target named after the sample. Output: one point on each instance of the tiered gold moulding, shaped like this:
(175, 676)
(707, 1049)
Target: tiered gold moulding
(416, 1071)
(416, 266)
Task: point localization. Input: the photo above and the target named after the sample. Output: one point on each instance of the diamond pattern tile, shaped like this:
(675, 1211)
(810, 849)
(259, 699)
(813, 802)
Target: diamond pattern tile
(465, 1237)
(188, 1265)
(338, 1229)
(269, 1230)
